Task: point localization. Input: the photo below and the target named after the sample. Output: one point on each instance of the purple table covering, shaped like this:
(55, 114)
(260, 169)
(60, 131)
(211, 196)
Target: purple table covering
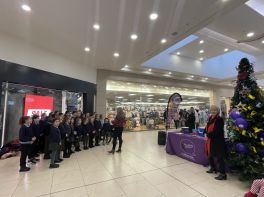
(187, 146)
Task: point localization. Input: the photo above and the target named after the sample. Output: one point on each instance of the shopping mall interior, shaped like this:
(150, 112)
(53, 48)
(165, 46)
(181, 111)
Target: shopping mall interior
(148, 59)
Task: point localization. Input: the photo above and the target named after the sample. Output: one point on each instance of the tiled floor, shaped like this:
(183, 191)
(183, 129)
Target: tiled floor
(142, 169)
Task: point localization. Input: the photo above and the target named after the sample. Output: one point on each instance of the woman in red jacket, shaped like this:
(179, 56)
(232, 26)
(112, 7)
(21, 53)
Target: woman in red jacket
(119, 123)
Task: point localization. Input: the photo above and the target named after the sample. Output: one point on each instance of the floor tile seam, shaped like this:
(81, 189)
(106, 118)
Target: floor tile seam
(182, 182)
(53, 172)
(112, 177)
(82, 176)
(13, 193)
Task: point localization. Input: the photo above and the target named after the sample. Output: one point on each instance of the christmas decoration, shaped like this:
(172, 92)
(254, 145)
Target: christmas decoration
(246, 124)
(242, 148)
(235, 114)
(241, 123)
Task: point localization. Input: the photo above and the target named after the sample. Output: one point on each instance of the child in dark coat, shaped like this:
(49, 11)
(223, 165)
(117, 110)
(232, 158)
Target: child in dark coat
(26, 139)
(107, 128)
(92, 132)
(98, 127)
(85, 133)
(78, 133)
(54, 142)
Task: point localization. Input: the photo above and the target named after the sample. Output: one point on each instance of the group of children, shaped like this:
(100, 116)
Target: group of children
(58, 133)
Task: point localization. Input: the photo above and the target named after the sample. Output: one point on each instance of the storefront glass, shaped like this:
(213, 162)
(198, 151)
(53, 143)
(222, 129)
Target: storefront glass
(145, 104)
(14, 101)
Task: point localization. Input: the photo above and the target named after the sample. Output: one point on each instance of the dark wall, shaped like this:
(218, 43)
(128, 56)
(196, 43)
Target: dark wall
(15, 73)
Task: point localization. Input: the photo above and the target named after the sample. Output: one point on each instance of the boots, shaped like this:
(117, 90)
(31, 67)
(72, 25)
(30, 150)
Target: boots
(211, 170)
(119, 150)
(221, 177)
(111, 151)
(24, 169)
(54, 165)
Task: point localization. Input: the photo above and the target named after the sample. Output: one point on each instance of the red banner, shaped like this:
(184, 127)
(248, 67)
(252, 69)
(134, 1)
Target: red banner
(38, 104)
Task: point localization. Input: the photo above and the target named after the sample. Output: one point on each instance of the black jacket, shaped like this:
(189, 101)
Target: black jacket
(68, 130)
(97, 125)
(62, 131)
(91, 128)
(217, 148)
(107, 127)
(79, 129)
(25, 134)
(35, 129)
(55, 136)
(85, 129)
(191, 121)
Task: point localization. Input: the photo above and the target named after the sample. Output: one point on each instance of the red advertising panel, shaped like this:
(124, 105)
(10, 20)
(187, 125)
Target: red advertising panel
(38, 105)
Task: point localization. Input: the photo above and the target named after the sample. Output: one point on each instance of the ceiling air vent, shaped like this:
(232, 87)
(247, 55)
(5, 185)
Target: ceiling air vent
(174, 33)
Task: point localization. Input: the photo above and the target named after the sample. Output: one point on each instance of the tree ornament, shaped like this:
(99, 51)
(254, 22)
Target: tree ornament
(242, 148)
(251, 97)
(253, 113)
(256, 130)
(235, 114)
(259, 105)
(241, 123)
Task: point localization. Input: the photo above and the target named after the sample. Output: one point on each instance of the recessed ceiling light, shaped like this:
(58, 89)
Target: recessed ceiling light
(250, 34)
(116, 54)
(134, 36)
(96, 26)
(86, 49)
(126, 66)
(119, 97)
(153, 16)
(149, 70)
(163, 41)
(201, 41)
(201, 51)
(178, 53)
(169, 73)
(149, 95)
(201, 59)
(226, 49)
(262, 41)
(206, 78)
(131, 94)
(192, 76)
(26, 8)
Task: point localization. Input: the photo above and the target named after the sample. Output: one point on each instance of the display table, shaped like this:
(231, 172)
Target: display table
(187, 146)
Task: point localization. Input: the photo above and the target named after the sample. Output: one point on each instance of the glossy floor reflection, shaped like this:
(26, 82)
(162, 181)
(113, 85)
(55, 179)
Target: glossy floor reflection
(142, 169)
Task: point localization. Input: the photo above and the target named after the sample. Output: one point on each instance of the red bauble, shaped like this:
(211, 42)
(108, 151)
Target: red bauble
(242, 76)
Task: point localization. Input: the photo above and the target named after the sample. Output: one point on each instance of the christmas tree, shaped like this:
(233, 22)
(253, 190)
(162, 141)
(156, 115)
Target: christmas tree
(246, 125)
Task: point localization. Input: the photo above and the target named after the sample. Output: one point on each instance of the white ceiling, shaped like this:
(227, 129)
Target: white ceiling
(65, 26)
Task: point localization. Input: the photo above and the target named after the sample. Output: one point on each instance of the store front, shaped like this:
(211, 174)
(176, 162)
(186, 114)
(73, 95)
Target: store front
(145, 104)
(28, 91)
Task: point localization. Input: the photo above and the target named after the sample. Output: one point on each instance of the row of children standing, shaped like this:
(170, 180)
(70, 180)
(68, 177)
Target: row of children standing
(58, 133)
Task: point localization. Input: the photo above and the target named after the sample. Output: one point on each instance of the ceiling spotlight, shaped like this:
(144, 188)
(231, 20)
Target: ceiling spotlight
(126, 66)
(132, 95)
(192, 76)
(134, 36)
(149, 70)
(153, 16)
(119, 97)
(226, 49)
(26, 8)
(169, 73)
(96, 26)
(250, 34)
(262, 41)
(86, 49)
(149, 95)
(178, 53)
(116, 54)
(201, 59)
(201, 41)
(201, 51)
(163, 41)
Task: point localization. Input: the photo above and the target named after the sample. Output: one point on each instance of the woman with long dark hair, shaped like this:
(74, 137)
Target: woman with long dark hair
(215, 143)
(119, 123)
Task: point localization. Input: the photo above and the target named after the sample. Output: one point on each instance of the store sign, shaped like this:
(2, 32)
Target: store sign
(38, 104)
